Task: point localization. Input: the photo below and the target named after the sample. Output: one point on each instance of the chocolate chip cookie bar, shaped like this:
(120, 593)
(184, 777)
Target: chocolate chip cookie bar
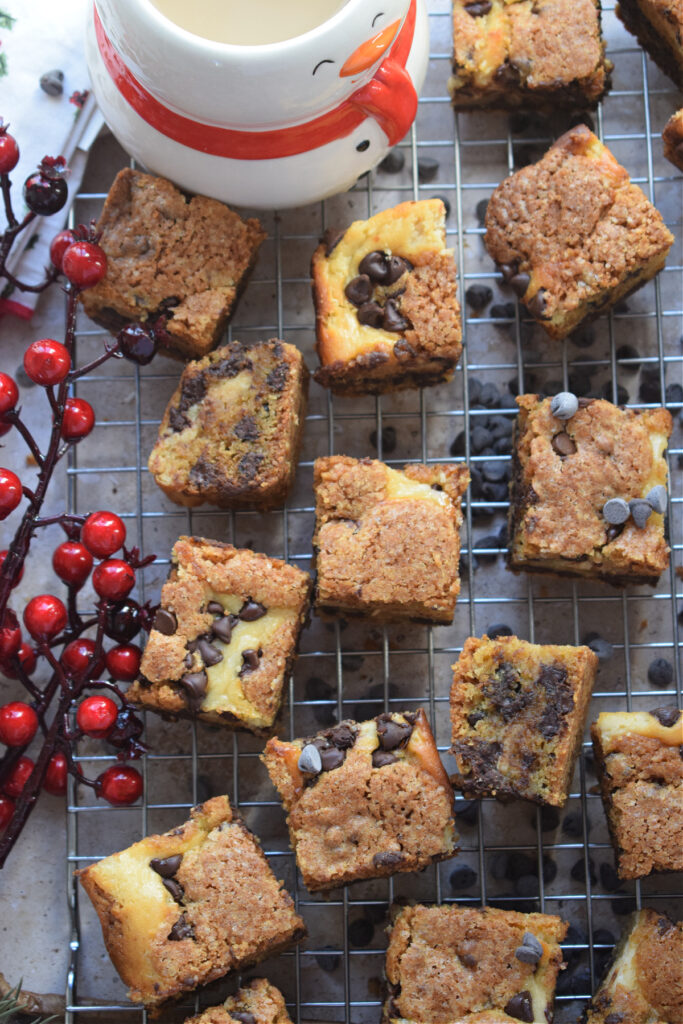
(181, 909)
(672, 136)
(460, 964)
(364, 799)
(257, 1002)
(572, 235)
(224, 637)
(518, 712)
(528, 54)
(387, 316)
(640, 770)
(387, 542)
(643, 981)
(658, 26)
(185, 258)
(588, 490)
(231, 433)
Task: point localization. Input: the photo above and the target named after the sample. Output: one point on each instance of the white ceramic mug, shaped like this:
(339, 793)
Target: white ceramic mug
(265, 126)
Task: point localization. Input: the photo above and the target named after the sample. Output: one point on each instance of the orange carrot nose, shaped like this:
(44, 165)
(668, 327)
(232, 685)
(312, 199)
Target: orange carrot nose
(370, 51)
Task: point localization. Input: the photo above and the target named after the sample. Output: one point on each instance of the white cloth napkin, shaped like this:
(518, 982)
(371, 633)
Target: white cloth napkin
(38, 36)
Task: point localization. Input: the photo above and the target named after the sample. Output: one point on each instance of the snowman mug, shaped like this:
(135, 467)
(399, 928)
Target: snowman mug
(265, 126)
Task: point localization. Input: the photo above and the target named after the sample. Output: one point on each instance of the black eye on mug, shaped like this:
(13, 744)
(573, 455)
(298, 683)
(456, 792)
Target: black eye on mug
(362, 146)
(326, 60)
(376, 17)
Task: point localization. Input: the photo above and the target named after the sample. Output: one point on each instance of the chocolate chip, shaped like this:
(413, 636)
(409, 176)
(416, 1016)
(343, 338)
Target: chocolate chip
(370, 314)
(393, 162)
(250, 660)
(480, 211)
(361, 931)
(563, 444)
(310, 761)
(210, 655)
(519, 283)
(342, 737)
(615, 511)
(666, 716)
(404, 350)
(396, 268)
(188, 660)
(174, 888)
(503, 311)
(52, 82)
(598, 645)
(564, 405)
(660, 673)
(508, 270)
(375, 266)
(223, 627)
(381, 758)
(520, 1007)
(359, 290)
(537, 304)
(331, 239)
(182, 929)
(195, 683)
(478, 296)
(165, 622)
(166, 866)
(392, 735)
(462, 878)
(478, 9)
(498, 629)
(215, 607)
(246, 429)
(427, 168)
(531, 950)
(331, 758)
(641, 511)
(177, 420)
(657, 497)
(251, 611)
(387, 859)
(249, 465)
(388, 436)
(475, 718)
(277, 378)
(446, 202)
(192, 392)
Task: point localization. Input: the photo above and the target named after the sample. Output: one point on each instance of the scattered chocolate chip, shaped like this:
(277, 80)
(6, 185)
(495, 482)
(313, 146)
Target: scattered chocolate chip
(509, 270)
(480, 210)
(660, 673)
(165, 622)
(615, 511)
(393, 321)
(572, 824)
(396, 268)
(474, 719)
(52, 82)
(563, 444)
(249, 465)
(342, 737)
(446, 202)
(210, 655)
(246, 429)
(250, 660)
(427, 168)
(610, 881)
(495, 470)
(332, 758)
(177, 420)
(531, 950)
(498, 629)
(641, 511)
(224, 626)
(251, 611)
(564, 405)
(403, 349)
(215, 608)
(331, 239)
(550, 818)
(370, 314)
(388, 438)
(387, 859)
(503, 311)
(361, 931)
(359, 290)
(195, 683)
(188, 660)
(603, 648)
(478, 297)
(310, 762)
(174, 888)
(166, 866)
(392, 735)
(328, 961)
(182, 929)
(462, 878)
(537, 304)
(519, 283)
(520, 1007)
(380, 758)
(374, 265)
(666, 716)
(657, 497)
(277, 378)
(479, 8)
(393, 162)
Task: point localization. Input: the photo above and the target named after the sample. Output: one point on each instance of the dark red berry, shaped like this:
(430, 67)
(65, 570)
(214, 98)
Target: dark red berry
(123, 663)
(78, 654)
(10, 492)
(103, 533)
(55, 776)
(47, 362)
(27, 660)
(120, 785)
(45, 616)
(123, 620)
(58, 246)
(18, 724)
(9, 152)
(138, 343)
(79, 419)
(17, 579)
(96, 716)
(6, 812)
(10, 635)
(113, 580)
(84, 263)
(18, 777)
(45, 195)
(72, 562)
(9, 392)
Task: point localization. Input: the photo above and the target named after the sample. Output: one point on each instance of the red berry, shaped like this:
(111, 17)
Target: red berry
(55, 776)
(123, 620)
(96, 716)
(10, 492)
(84, 263)
(103, 533)
(9, 156)
(120, 785)
(6, 812)
(10, 635)
(45, 616)
(9, 392)
(27, 660)
(79, 419)
(138, 343)
(18, 724)
(18, 777)
(123, 662)
(72, 562)
(58, 246)
(45, 195)
(18, 578)
(47, 362)
(78, 654)
(113, 580)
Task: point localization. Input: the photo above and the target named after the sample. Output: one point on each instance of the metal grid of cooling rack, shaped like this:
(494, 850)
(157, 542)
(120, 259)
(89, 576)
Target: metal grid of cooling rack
(514, 856)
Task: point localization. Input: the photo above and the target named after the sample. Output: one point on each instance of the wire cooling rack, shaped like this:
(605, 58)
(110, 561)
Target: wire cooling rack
(514, 856)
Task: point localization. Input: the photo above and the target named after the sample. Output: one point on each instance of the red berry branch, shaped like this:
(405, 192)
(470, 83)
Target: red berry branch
(81, 695)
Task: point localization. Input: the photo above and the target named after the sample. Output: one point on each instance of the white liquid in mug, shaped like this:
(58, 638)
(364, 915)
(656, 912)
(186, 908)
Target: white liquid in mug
(248, 22)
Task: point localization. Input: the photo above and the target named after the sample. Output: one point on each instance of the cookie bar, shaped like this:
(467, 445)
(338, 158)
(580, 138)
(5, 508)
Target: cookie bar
(588, 491)
(658, 26)
(224, 637)
(643, 982)
(364, 800)
(455, 964)
(572, 235)
(672, 136)
(231, 433)
(518, 712)
(529, 54)
(387, 541)
(639, 767)
(181, 909)
(387, 316)
(188, 258)
(258, 1002)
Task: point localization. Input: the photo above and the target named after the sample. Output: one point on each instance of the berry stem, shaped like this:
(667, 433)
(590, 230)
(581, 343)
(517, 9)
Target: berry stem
(83, 370)
(15, 419)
